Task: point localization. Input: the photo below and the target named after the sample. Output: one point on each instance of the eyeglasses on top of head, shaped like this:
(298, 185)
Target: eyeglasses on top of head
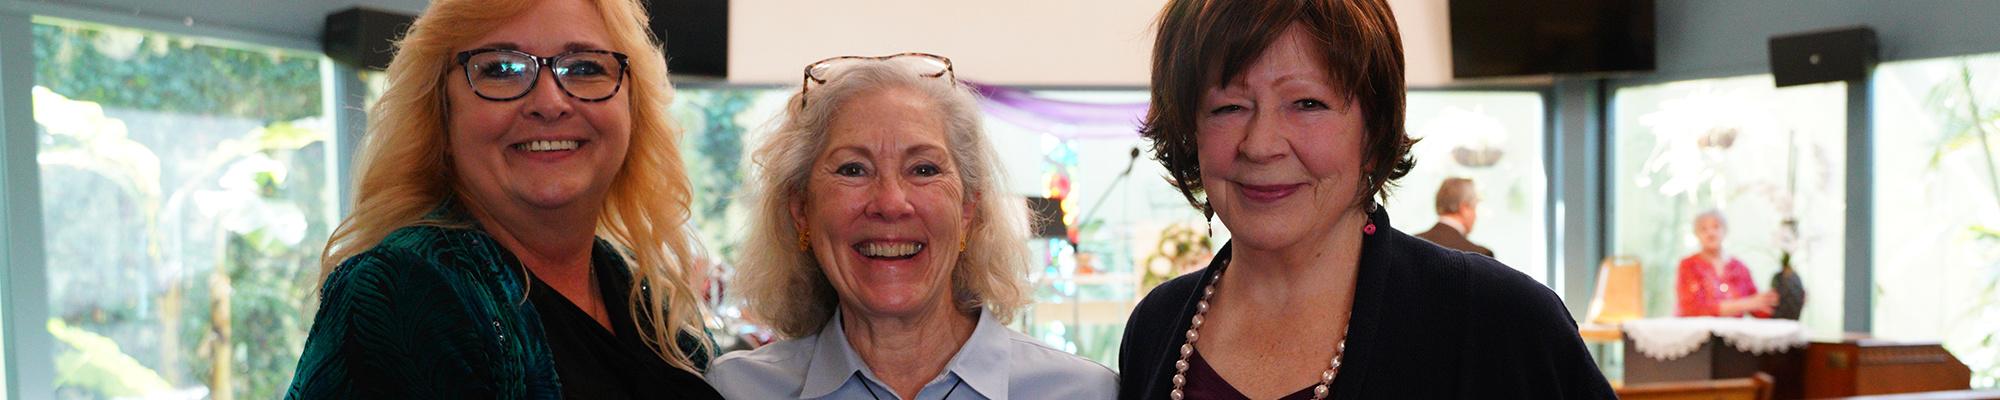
(926, 64)
(505, 75)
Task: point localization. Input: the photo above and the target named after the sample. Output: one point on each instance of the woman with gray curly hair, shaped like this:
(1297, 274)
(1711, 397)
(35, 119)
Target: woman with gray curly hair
(884, 246)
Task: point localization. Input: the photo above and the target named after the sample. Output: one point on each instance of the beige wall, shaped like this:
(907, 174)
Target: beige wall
(1015, 42)
(1426, 29)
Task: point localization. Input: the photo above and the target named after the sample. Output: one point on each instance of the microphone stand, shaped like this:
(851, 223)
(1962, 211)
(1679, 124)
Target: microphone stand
(1075, 331)
(1130, 161)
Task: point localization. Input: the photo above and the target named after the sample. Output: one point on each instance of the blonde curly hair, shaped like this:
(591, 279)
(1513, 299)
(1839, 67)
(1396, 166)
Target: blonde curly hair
(402, 171)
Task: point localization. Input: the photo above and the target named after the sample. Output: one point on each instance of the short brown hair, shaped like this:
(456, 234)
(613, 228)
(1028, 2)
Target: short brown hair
(1209, 42)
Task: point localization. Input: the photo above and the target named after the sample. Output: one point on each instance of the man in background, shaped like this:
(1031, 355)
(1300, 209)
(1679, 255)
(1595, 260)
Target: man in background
(1458, 209)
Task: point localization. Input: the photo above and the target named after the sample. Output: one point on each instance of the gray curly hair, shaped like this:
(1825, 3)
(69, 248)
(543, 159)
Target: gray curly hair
(786, 288)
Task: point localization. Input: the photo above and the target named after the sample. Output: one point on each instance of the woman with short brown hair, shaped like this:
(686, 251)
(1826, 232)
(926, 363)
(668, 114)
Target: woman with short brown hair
(1285, 119)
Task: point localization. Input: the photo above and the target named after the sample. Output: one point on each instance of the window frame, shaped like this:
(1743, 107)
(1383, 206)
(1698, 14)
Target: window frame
(23, 263)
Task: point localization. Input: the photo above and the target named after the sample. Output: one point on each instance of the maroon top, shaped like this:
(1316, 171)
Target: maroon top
(1204, 384)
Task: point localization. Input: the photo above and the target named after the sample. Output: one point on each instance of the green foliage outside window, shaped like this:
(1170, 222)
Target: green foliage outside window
(186, 197)
(149, 71)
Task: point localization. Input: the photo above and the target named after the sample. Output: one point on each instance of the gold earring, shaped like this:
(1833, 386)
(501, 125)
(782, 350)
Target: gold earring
(961, 244)
(803, 235)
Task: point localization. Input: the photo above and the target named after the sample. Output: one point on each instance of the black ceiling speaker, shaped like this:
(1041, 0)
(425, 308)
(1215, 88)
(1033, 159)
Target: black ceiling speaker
(1841, 54)
(1592, 38)
(363, 37)
(696, 35)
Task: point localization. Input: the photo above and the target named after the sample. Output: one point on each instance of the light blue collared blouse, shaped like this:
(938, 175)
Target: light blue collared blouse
(995, 363)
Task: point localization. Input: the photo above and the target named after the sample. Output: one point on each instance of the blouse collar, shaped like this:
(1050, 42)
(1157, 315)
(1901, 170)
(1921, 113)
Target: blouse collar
(981, 361)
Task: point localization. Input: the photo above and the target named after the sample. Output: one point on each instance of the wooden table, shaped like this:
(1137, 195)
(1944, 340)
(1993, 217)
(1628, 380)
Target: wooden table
(1600, 333)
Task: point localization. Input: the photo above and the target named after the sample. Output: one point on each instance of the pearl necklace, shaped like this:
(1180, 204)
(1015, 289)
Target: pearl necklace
(1320, 390)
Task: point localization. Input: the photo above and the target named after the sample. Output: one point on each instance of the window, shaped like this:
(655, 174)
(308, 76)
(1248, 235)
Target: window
(1937, 207)
(1495, 139)
(1076, 145)
(186, 196)
(1757, 153)
(720, 130)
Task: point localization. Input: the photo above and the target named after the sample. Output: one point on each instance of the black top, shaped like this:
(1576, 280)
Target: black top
(1427, 323)
(595, 364)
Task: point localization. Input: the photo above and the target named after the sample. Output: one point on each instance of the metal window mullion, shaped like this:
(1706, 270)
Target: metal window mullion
(29, 350)
(1580, 106)
(1858, 282)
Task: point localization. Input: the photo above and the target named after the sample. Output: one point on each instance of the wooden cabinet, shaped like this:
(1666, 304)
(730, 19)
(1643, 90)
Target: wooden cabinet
(1868, 366)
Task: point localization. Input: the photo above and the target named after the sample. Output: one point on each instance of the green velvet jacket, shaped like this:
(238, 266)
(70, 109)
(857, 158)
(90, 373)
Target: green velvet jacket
(432, 312)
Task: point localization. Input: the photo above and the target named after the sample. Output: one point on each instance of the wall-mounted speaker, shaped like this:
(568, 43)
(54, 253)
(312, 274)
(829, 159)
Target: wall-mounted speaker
(695, 34)
(363, 37)
(1841, 54)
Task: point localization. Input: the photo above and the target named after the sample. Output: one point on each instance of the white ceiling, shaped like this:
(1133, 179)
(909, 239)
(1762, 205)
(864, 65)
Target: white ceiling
(1035, 42)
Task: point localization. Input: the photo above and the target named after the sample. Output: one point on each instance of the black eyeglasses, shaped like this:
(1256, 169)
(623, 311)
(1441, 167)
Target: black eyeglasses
(505, 75)
(925, 64)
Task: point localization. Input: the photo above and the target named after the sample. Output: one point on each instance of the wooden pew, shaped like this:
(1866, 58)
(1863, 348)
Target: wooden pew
(1756, 387)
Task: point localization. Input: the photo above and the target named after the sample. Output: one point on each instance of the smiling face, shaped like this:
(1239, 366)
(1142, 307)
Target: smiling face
(884, 206)
(1280, 147)
(545, 152)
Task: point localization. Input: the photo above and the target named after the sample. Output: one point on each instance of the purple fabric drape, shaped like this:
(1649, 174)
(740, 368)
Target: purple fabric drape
(1067, 120)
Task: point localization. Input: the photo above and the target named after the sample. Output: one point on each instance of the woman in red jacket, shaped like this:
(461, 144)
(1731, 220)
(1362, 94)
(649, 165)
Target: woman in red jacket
(1712, 284)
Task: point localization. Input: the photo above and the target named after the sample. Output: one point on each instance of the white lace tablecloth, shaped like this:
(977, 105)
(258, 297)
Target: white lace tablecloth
(1672, 338)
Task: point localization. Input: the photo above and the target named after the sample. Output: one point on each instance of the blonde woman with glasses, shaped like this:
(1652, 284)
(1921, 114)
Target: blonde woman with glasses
(884, 247)
(518, 225)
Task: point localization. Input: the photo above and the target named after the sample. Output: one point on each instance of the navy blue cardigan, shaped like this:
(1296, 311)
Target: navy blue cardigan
(1428, 322)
